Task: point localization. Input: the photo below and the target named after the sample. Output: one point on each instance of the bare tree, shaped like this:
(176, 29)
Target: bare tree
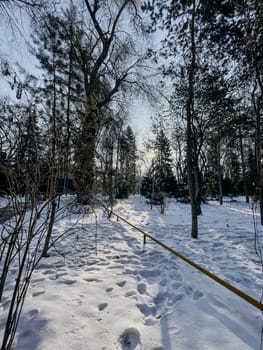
(110, 66)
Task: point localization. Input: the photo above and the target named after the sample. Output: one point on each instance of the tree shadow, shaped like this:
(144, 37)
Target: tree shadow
(30, 330)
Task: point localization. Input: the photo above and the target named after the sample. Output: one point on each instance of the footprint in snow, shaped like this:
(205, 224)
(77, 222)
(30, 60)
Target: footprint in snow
(176, 285)
(103, 263)
(178, 297)
(88, 269)
(131, 293)
(33, 313)
(176, 276)
(102, 306)
(188, 290)
(38, 280)
(150, 273)
(68, 282)
(92, 280)
(116, 267)
(218, 244)
(151, 321)
(147, 310)
(61, 274)
(141, 288)
(163, 280)
(197, 294)
(37, 293)
(130, 339)
(121, 284)
(160, 299)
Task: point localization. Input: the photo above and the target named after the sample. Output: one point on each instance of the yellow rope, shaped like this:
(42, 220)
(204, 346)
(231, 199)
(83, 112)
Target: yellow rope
(223, 283)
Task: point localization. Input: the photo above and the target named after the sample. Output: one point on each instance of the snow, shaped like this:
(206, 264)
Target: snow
(4, 202)
(130, 297)
(9, 201)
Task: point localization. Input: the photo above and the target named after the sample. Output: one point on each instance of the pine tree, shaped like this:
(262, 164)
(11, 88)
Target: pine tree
(161, 169)
(49, 50)
(131, 160)
(28, 152)
(127, 169)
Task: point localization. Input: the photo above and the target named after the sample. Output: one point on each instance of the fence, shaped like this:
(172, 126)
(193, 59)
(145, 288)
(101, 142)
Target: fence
(217, 279)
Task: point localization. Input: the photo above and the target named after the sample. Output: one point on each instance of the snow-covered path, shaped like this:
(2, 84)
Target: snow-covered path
(125, 298)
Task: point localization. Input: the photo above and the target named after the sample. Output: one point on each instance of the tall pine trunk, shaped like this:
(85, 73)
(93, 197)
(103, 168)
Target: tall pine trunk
(53, 175)
(259, 177)
(243, 165)
(68, 135)
(219, 173)
(189, 131)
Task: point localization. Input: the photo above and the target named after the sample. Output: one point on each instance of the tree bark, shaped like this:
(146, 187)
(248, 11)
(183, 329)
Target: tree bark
(243, 165)
(189, 132)
(219, 172)
(53, 175)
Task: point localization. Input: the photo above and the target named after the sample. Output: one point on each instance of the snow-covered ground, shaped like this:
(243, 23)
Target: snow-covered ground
(4, 202)
(130, 298)
(9, 201)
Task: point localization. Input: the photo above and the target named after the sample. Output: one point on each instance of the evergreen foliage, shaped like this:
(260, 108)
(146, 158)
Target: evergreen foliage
(160, 176)
(128, 157)
(29, 147)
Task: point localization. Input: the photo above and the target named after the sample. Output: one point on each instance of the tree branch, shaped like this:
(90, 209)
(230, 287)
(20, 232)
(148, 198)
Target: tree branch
(31, 3)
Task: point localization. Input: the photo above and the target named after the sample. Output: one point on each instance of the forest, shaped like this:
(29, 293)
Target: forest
(65, 126)
(68, 128)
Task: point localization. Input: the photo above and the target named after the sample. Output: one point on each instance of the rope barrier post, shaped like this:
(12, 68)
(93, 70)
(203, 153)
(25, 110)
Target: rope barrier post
(144, 243)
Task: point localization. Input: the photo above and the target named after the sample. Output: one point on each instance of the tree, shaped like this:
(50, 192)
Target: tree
(127, 164)
(237, 28)
(164, 180)
(160, 177)
(180, 20)
(28, 152)
(88, 63)
(107, 158)
(216, 114)
(12, 11)
(199, 33)
(15, 15)
(146, 185)
(108, 69)
(52, 48)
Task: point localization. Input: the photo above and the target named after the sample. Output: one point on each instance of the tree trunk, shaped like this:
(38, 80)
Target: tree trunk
(110, 174)
(198, 191)
(51, 217)
(189, 132)
(68, 136)
(243, 165)
(54, 171)
(219, 172)
(259, 179)
(220, 187)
